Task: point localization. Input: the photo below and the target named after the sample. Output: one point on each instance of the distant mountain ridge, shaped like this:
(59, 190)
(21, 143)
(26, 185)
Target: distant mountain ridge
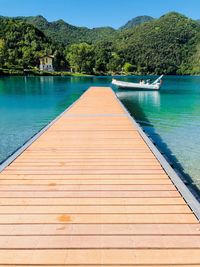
(136, 21)
(65, 33)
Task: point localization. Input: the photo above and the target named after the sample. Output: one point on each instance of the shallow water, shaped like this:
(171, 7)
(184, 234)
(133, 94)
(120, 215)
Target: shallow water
(171, 117)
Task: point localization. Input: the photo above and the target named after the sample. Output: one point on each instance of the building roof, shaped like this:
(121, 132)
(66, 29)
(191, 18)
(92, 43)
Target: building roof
(51, 56)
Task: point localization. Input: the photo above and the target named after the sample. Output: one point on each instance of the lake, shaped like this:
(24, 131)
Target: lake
(170, 117)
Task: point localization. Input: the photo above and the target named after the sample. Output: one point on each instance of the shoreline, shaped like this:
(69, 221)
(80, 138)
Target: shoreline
(37, 73)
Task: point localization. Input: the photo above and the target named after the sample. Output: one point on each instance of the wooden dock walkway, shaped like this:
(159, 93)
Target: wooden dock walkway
(89, 192)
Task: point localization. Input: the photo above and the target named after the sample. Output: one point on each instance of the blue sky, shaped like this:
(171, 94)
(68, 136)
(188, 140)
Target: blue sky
(95, 13)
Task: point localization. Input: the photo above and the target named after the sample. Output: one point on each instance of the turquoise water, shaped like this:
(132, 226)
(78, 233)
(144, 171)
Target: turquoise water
(171, 117)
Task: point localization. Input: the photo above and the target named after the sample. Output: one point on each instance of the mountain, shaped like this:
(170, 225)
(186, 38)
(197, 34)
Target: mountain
(63, 32)
(165, 45)
(136, 21)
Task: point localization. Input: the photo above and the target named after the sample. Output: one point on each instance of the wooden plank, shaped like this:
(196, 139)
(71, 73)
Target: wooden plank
(101, 153)
(123, 209)
(82, 187)
(82, 159)
(64, 168)
(91, 194)
(90, 201)
(180, 265)
(100, 229)
(96, 218)
(58, 164)
(96, 242)
(85, 182)
(84, 176)
(102, 257)
(82, 171)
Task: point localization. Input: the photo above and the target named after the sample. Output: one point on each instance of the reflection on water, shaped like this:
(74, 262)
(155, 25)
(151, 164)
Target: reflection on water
(141, 97)
(171, 116)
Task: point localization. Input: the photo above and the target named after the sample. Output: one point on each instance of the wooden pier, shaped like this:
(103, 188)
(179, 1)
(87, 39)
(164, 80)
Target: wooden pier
(89, 192)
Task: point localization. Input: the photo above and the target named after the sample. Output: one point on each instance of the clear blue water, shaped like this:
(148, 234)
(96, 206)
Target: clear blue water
(171, 117)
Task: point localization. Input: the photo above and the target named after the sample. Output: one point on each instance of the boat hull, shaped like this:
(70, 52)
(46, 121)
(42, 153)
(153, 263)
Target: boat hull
(136, 86)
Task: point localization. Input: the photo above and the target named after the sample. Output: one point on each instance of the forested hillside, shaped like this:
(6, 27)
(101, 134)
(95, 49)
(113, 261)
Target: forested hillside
(21, 45)
(66, 33)
(169, 45)
(165, 45)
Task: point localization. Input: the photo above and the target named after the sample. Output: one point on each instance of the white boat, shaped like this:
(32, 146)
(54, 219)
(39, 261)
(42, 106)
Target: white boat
(141, 85)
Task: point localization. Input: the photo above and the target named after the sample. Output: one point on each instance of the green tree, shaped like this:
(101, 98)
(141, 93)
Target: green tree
(128, 68)
(103, 54)
(115, 63)
(81, 57)
(2, 52)
(60, 62)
